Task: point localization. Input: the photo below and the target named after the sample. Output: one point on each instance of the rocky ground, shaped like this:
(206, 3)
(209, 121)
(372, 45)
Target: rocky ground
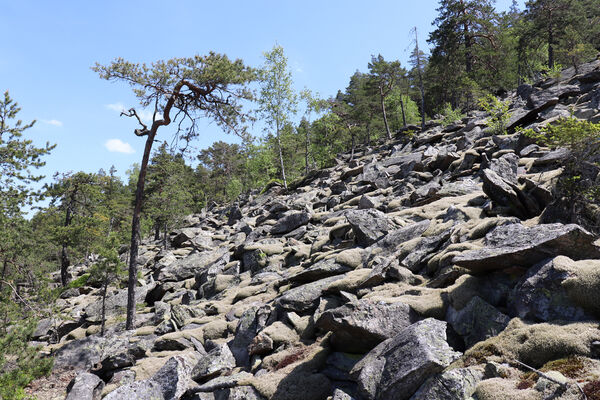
(420, 269)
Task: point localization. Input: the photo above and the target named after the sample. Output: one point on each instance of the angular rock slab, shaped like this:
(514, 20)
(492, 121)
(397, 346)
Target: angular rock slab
(85, 386)
(218, 361)
(290, 222)
(397, 367)
(477, 321)
(517, 245)
(306, 297)
(368, 225)
(358, 327)
(543, 295)
(456, 384)
(169, 383)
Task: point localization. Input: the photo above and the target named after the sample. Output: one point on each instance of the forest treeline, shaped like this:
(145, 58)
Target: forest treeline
(475, 51)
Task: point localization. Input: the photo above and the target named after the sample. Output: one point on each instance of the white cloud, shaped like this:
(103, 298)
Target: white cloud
(118, 146)
(53, 122)
(119, 107)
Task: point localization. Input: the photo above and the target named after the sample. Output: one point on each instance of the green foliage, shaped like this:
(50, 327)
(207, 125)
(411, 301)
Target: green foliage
(450, 115)
(19, 363)
(19, 310)
(498, 110)
(79, 282)
(169, 190)
(277, 101)
(576, 188)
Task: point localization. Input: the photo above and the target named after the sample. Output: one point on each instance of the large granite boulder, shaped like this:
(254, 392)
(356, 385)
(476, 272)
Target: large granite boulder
(85, 386)
(169, 383)
(559, 288)
(455, 384)
(397, 367)
(188, 266)
(290, 222)
(517, 245)
(360, 326)
(477, 321)
(368, 225)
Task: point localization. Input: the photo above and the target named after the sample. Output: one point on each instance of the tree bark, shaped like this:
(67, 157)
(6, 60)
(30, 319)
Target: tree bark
(64, 256)
(104, 288)
(421, 87)
(550, 47)
(385, 121)
(135, 231)
(281, 159)
(306, 147)
(403, 113)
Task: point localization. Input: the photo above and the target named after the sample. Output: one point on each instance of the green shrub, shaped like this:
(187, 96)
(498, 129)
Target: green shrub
(79, 282)
(498, 111)
(20, 363)
(450, 114)
(576, 188)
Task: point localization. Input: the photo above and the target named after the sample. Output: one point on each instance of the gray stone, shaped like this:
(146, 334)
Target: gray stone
(358, 327)
(540, 295)
(85, 386)
(320, 270)
(341, 395)
(368, 226)
(244, 334)
(290, 222)
(375, 175)
(188, 266)
(503, 193)
(218, 361)
(305, 298)
(455, 384)
(517, 245)
(423, 250)
(366, 202)
(477, 321)
(398, 236)
(338, 366)
(397, 367)
(116, 304)
(238, 393)
(169, 383)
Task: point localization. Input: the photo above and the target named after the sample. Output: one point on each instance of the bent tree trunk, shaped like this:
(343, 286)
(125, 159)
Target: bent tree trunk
(135, 231)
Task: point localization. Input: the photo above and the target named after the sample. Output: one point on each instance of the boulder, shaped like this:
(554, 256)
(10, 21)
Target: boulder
(245, 332)
(320, 270)
(358, 327)
(559, 288)
(305, 298)
(477, 321)
(368, 226)
(397, 367)
(503, 193)
(517, 245)
(169, 383)
(454, 384)
(188, 266)
(290, 222)
(116, 304)
(85, 386)
(218, 361)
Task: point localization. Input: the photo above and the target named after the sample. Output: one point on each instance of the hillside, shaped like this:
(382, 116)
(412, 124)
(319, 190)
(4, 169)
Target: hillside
(426, 267)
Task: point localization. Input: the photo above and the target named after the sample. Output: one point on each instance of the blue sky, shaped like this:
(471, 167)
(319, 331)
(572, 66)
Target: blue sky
(48, 47)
